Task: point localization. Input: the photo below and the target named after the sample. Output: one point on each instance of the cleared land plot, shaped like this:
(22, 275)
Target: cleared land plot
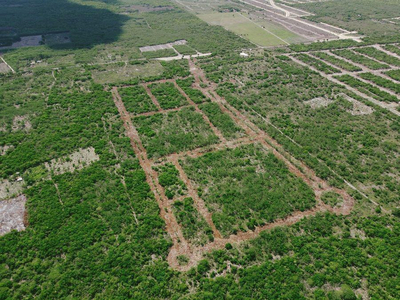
(379, 55)
(164, 134)
(394, 74)
(367, 89)
(337, 61)
(73, 162)
(243, 27)
(318, 64)
(362, 60)
(195, 95)
(247, 187)
(122, 72)
(383, 82)
(222, 121)
(167, 95)
(136, 100)
(194, 228)
(162, 46)
(12, 214)
(4, 68)
(9, 188)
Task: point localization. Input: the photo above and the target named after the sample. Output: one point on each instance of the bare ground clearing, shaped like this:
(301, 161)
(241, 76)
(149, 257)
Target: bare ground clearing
(73, 162)
(12, 215)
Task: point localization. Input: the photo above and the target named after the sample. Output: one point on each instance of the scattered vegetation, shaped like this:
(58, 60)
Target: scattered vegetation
(316, 63)
(357, 58)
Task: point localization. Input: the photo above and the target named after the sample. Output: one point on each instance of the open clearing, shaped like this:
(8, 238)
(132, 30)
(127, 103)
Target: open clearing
(73, 162)
(12, 214)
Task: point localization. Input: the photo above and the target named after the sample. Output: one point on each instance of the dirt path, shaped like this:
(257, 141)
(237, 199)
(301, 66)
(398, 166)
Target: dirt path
(199, 203)
(152, 97)
(166, 213)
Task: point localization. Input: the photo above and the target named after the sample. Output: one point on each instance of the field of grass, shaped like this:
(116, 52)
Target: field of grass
(122, 72)
(247, 187)
(164, 134)
(242, 26)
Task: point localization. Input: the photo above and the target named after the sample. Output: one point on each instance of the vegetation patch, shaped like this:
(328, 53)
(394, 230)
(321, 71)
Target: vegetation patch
(360, 59)
(331, 198)
(194, 227)
(337, 62)
(316, 63)
(367, 88)
(167, 95)
(168, 177)
(195, 95)
(160, 53)
(395, 74)
(383, 82)
(379, 55)
(136, 100)
(222, 121)
(247, 187)
(164, 134)
(185, 49)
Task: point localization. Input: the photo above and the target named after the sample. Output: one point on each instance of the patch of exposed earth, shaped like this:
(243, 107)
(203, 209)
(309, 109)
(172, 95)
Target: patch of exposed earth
(12, 214)
(73, 162)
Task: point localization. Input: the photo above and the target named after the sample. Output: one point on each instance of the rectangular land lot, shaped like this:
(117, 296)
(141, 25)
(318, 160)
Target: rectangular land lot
(183, 130)
(247, 187)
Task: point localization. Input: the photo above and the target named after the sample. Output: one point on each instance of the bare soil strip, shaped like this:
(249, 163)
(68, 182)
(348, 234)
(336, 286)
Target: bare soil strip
(180, 246)
(166, 213)
(205, 118)
(152, 97)
(199, 203)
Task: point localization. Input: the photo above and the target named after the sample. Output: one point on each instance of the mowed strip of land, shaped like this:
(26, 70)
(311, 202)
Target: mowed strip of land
(259, 34)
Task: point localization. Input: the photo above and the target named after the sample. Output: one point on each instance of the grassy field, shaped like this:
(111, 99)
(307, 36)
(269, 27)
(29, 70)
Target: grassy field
(271, 35)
